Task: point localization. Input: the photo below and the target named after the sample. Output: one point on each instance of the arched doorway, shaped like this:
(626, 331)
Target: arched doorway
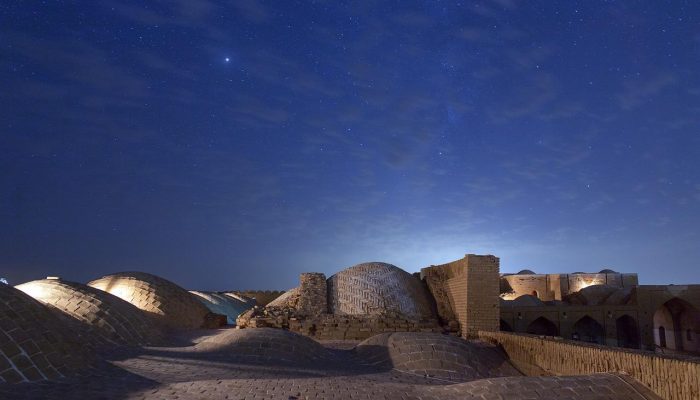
(588, 330)
(677, 326)
(505, 327)
(535, 294)
(627, 332)
(542, 326)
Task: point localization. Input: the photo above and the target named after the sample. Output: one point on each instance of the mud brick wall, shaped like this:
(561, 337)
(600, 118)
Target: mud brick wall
(313, 299)
(672, 378)
(467, 290)
(354, 327)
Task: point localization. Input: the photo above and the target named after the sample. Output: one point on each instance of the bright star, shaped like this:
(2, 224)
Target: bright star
(227, 59)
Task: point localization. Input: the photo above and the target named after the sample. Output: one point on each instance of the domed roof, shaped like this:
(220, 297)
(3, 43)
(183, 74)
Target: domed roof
(173, 305)
(622, 296)
(265, 345)
(104, 314)
(591, 295)
(607, 271)
(36, 344)
(526, 272)
(286, 299)
(526, 300)
(222, 304)
(377, 288)
(435, 355)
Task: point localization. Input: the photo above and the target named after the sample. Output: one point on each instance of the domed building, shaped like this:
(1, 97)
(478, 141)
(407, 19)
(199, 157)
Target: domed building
(377, 288)
(173, 305)
(102, 313)
(223, 304)
(36, 344)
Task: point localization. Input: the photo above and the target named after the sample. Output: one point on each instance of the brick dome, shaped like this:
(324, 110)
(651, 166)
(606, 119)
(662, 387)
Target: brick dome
(265, 345)
(173, 305)
(378, 288)
(223, 304)
(592, 295)
(434, 355)
(104, 314)
(35, 344)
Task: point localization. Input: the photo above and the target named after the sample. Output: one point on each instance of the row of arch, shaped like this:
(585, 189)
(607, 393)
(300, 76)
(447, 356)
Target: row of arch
(676, 327)
(586, 329)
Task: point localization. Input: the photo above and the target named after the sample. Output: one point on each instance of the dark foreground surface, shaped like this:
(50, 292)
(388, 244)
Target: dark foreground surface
(221, 365)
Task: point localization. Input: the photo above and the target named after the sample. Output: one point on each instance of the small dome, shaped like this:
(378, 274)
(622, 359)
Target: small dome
(578, 273)
(378, 288)
(175, 306)
(265, 345)
(290, 298)
(36, 343)
(526, 300)
(222, 304)
(103, 314)
(526, 272)
(434, 355)
(607, 271)
(591, 295)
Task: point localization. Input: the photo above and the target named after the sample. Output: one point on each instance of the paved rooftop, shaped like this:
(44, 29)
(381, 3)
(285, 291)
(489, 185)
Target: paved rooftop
(217, 365)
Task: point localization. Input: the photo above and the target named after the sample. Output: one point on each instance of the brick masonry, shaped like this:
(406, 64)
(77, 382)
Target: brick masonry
(171, 304)
(672, 378)
(467, 290)
(103, 314)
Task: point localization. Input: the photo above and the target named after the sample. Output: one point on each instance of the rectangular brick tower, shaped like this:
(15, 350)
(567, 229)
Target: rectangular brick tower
(467, 290)
(313, 294)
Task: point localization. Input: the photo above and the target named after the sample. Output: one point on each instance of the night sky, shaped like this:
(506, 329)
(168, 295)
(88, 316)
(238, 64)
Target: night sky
(233, 145)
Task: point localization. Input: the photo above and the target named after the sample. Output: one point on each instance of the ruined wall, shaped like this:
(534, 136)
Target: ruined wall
(672, 378)
(338, 327)
(313, 299)
(466, 290)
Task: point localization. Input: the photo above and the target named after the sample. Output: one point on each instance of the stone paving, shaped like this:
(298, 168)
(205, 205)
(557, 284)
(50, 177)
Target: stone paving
(196, 369)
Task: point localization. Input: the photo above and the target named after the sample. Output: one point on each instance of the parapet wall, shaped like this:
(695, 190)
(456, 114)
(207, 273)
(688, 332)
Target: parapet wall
(672, 378)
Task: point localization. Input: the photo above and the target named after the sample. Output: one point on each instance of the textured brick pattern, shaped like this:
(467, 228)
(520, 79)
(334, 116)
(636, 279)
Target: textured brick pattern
(266, 345)
(34, 343)
(467, 290)
(173, 305)
(358, 327)
(230, 306)
(103, 314)
(670, 377)
(435, 355)
(314, 294)
(376, 289)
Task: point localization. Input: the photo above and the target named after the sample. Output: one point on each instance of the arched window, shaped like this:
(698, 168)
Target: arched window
(534, 293)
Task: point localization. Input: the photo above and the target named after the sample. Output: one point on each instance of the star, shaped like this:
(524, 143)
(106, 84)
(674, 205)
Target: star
(227, 59)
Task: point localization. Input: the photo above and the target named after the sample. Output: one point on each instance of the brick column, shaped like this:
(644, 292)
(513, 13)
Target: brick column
(313, 296)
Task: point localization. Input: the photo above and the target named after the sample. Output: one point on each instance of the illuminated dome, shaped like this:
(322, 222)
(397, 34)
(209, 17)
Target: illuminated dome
(377, 288)
(223, 304)
(35, 344)
(434, 355)
(104, 314)
(265, 345)
(173, 305)
(591, 295)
